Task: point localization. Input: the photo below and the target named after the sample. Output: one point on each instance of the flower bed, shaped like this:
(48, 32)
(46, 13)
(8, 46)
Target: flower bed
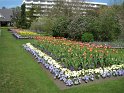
(76, 55)
(70, 77)
(23, 34)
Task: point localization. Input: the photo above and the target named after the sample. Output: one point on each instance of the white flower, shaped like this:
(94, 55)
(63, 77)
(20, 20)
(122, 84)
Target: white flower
(97, 70)
(68, 72)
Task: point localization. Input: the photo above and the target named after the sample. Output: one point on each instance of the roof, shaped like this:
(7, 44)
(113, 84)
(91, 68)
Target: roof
(6, 14)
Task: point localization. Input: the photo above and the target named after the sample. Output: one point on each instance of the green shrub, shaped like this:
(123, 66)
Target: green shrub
(106, 26)
(60, 26)
(78, 26)
(43, 24)
(87, 37)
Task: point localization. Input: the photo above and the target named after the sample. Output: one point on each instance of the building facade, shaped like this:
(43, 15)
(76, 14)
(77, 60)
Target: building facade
(46, 5)
(6, 17)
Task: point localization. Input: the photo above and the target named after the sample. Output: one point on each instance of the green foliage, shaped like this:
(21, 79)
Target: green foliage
(43, 24)
(92, 13)
(120, 13)
(103, 24)
(78, 26)
(31, 14)
(19, 73)
(87, 37)
(23, 21)
(16, 16)
(60, 26)
(75, 54)
(107, 25)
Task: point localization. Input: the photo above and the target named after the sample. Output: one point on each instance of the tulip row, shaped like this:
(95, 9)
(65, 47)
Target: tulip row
(23, 34)
(73, 77)
(77, 55)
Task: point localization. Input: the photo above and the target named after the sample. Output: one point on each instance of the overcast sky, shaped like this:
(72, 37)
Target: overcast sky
(14, 3)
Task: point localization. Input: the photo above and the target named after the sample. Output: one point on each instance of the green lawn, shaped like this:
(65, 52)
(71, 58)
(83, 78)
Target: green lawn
(20, 73)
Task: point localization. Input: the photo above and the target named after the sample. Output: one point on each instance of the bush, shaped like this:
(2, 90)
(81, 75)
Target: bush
(75, 28)
(106, 27)
(87, 37)
(78, 26)
(43, 24)
(60, 26)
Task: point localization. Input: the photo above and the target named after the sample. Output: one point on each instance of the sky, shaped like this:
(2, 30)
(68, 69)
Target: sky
(14, 3)
(109, 2)
(10, 3)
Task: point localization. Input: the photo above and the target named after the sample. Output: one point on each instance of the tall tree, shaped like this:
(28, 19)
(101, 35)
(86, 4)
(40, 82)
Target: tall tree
(120, 13)
(38, 10)
(23, 21)
(16, 16)
(33, 13)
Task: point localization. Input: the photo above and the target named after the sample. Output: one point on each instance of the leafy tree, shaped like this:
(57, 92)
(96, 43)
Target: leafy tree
(109, 24)
(38, 10)
(94, 12)
(43, 24)
(120, 14)
(60, 26)
(103, 24)
(16, 16)
(30, 14)
(78, 26)
(23, 21)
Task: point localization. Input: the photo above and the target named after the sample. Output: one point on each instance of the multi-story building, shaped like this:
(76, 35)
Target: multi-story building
(46, 5)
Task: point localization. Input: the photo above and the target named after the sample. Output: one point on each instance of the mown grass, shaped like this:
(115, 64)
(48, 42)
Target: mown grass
(19, 72)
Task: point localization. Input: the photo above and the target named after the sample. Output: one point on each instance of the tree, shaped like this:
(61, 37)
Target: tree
(16, 16)
(43, 24)
(38, 10)
(23, 21)
(78, 26)
(120, 14)
(60, 27)
(106, 27)
(33, 13)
